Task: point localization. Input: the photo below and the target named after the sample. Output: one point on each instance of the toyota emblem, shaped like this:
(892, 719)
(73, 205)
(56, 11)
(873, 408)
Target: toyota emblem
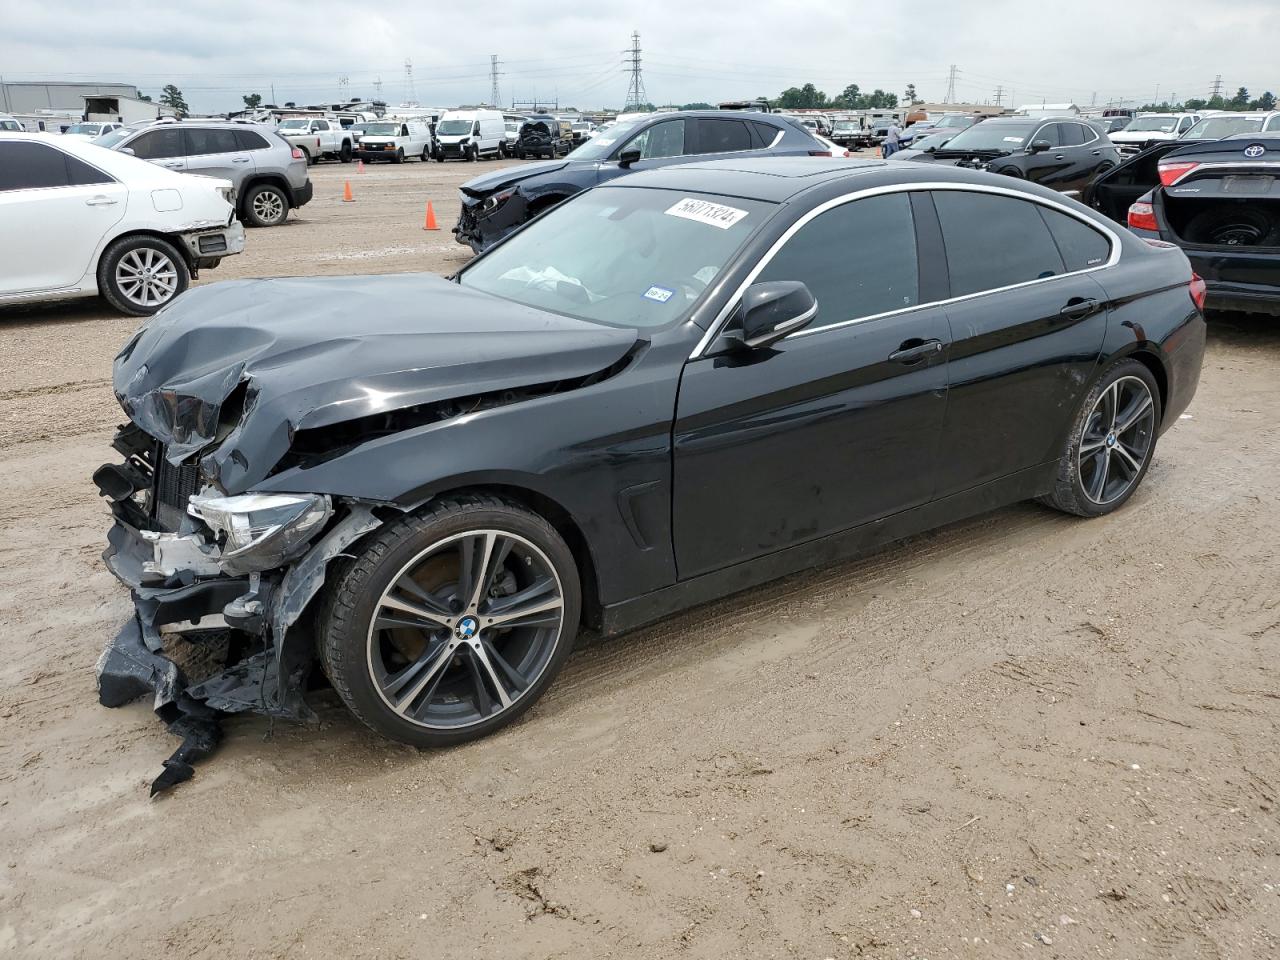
(1254, 150)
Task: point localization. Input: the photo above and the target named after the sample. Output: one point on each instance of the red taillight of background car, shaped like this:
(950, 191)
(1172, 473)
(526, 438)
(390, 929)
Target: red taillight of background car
(1171, 173)
(1142, 216)
(1198, 291)
(296, 154)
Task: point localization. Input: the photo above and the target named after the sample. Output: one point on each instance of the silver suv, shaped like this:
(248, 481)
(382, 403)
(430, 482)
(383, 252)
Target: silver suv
(269, 175)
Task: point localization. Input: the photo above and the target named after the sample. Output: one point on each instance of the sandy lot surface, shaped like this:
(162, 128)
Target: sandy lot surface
(1022, 735)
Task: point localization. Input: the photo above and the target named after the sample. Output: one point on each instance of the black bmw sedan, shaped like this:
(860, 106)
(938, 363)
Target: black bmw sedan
(494, 204)
(668, 389)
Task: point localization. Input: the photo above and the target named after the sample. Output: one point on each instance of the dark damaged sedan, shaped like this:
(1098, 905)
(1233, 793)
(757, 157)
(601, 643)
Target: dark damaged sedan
(495, 204)
(668, 389)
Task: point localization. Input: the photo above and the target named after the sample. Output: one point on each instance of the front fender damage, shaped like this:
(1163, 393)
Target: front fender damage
(211, 648)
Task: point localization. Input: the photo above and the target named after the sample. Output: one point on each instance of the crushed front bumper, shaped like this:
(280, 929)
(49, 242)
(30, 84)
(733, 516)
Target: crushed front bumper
(204, 644)
(207, 247)
(480, 229)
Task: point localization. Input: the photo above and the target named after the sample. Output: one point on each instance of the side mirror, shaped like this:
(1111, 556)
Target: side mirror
(627, 158)
(771, 311)
(128, 150)
(1038, 146)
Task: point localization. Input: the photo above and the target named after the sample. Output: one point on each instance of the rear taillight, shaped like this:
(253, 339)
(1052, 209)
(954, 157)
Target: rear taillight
(1198, 291)
(1171, 173)
(296, 154)
(1142, 216)
(819, 153)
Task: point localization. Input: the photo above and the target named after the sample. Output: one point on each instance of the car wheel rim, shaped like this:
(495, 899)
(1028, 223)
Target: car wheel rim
(465, 629)
(147, 277)
(1117, 440)
(268, 207)
(1237, 235)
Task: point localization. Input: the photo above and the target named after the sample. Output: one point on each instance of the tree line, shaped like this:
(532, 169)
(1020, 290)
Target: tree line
(809, 97)
(1241, 101)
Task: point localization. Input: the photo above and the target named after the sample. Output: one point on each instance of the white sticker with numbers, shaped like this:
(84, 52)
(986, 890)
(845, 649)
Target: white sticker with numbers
(704, 211)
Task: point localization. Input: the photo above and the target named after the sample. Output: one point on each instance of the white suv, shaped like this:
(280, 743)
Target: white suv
(78, 220)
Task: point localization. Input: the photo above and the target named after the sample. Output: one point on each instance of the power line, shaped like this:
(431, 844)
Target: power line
(635, 88)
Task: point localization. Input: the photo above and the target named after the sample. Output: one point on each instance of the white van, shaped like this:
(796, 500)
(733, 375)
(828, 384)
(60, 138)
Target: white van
(470, 135)
(394, 140)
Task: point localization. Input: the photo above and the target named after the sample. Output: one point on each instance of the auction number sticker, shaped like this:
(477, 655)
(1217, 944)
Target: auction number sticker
(704, 211)
(659, 294)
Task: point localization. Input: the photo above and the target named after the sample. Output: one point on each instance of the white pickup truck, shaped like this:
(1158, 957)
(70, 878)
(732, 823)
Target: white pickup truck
(317, 137)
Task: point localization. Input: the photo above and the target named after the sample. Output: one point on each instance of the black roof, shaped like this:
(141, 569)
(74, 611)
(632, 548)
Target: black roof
(777, 179)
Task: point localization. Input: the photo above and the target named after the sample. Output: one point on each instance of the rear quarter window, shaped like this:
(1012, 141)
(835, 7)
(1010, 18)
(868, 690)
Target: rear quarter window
(1082, 247)
(248, 140)
(994, 241)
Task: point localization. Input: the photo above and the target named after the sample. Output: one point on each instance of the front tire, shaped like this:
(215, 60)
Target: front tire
(266, 205)
(139, 275)
(451, 622)
(399, 155)
(345, 153)
(1112, 442)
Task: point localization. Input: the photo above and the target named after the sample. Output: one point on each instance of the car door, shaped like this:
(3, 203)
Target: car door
(1087, 153)
(659, 144)
(163, 145)
(711, 137)
(1048, 167)
(833, 426)
(54, 211)
(1027, 323)
(215, 152)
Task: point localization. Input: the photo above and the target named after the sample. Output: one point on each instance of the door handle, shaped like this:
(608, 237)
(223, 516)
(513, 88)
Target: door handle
(172, 166)
(239, 159)
(1078, 307)
(99, 201)
(1058, 156)
(915, 350)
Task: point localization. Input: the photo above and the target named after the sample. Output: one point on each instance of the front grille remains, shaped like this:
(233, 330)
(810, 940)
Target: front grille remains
(172, 488)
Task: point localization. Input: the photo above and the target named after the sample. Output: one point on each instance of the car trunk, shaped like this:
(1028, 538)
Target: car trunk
(1237, 210)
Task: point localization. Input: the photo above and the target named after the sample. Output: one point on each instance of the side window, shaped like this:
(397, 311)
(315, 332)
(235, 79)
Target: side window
(158, 144)
(31, 166)
(80, 174)
(1274, 123)
(248, 140)
(858, 259)
(1070, 134)
(1047, 132)
(764, 134)
(665, 139)
(993, 241)
(1185, 124)
(723, 136)
(322, 124)
(205, 141)
(1088, 133)
(1081, 245)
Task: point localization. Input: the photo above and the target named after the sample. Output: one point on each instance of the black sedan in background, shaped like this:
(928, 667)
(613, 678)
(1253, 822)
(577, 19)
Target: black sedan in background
(1219, 201)
(670, 388)
(496, 203)
(1063, 153)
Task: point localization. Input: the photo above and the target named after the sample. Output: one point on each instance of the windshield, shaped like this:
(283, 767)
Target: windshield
(993, 136)
(621, 257)
(953, 123)
(454, 128)
(9, 125)
(933, 141)
(295, 125)
(603, 143)
(381, 129)
(1161, 124)
(112, 137)
(843, 126)
(1215, 128)
(89, 129)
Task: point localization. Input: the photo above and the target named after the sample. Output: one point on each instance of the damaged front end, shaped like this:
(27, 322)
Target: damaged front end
(487, 218)
(219, 586)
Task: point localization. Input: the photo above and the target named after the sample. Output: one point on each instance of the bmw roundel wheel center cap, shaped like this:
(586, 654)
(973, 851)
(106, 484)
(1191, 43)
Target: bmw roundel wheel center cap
(466, 628)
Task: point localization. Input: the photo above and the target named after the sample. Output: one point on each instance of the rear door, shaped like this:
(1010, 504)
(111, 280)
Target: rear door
(712, 137)
(1027, 325)
(54, 211)
(162, 145)
(215, 152)
(832, 427)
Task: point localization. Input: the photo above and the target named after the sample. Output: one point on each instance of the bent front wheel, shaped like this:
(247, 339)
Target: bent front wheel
(451, 622)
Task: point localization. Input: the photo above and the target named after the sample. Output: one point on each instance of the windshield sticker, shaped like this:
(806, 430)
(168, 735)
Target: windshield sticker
(704, 211)
(658, 294)
(606, 142)
(1014, 139)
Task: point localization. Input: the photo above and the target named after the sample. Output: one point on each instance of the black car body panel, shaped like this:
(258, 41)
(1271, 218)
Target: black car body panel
(493, 205)
(678, 468)
(1065, 167)
(1224, 212)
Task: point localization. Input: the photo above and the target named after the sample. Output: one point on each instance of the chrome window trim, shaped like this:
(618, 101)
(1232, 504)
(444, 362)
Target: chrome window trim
(717, 325)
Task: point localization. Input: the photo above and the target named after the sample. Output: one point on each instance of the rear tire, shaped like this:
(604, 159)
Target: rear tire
(437, 673)
(138, 275)
(265, 205)
(1106, 457)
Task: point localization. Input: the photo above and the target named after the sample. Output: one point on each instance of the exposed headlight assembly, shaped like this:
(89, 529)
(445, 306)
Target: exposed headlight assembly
(497, 199)
(261, 531)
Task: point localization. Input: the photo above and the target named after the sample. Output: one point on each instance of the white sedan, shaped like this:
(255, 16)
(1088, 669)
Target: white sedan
(834, 149)
(77, 220)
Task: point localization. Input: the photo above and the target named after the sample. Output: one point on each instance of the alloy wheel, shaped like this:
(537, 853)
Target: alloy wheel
(147, 277)
(268, 206)
(1117, 440)
(465, 628)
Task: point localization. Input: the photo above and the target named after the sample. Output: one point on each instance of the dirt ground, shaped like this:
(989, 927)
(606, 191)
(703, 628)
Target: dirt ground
(1022, 735)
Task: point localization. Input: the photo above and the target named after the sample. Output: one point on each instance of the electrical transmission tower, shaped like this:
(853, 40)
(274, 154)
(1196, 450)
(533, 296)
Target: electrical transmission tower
(1216, 91)
(494, 74)
(951, 86)
(343, 87)
(635, 89)
(410, 93)
(377, 87)
(1000, 95)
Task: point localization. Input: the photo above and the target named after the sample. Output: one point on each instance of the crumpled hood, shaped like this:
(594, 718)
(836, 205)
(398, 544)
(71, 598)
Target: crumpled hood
(487, 183)
(317, 351)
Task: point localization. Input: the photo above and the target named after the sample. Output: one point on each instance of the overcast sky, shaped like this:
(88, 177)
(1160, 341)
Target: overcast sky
(712, 50)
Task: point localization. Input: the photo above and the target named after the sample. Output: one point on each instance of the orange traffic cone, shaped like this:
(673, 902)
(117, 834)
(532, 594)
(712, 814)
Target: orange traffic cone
(359, 166)
(430, 223)
(346, 192)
